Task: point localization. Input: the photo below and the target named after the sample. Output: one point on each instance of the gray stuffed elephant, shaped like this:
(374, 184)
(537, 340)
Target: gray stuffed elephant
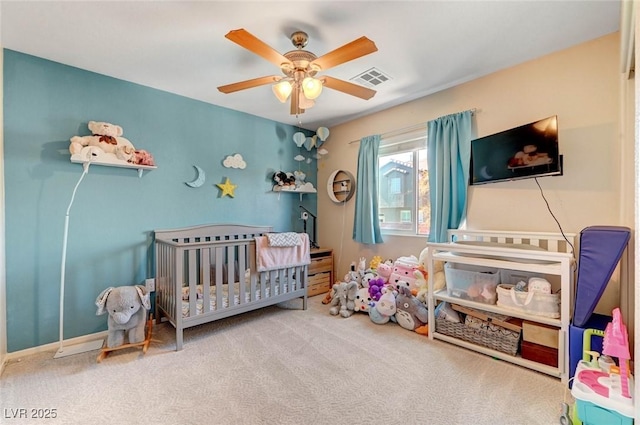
(344, 296)
(127, 307)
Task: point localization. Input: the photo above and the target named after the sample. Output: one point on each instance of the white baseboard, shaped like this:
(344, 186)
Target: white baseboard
(53, 346)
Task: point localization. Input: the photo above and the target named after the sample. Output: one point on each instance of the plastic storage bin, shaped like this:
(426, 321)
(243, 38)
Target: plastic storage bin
(512, 277)
(471, 282)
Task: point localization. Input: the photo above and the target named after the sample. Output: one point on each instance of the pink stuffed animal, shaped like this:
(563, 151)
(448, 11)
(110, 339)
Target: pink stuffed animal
(142, 157)
(403, 271)
(384, 271)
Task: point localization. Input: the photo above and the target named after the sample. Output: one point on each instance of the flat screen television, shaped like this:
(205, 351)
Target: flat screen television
(527, 151)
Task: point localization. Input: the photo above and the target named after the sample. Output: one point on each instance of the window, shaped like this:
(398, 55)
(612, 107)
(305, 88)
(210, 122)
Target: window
(403, 192)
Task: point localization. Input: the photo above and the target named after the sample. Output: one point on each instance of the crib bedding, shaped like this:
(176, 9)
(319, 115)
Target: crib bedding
(200, 303)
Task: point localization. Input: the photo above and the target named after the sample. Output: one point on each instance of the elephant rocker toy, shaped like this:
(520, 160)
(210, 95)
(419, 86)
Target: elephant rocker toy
(127, 307)
(344, 296)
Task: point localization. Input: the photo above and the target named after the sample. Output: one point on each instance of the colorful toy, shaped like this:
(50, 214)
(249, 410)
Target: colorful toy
(411, 314)
(375, 261)
(604, 391)
(375, 288)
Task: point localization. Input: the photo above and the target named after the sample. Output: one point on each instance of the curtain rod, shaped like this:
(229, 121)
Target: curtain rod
(408, 129)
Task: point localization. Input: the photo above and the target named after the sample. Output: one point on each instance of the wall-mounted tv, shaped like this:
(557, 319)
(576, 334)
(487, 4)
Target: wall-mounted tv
(530, 150)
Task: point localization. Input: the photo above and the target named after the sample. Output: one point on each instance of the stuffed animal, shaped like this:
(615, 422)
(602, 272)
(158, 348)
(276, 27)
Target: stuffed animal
(367, 278)
(403, 269)
(107, 137)
(375, 288)
(423, 283)
(384, 271)
(484, 292)
(375, 262)
(142, 157)
(383, 310)
(386, 305)
(343, 302)
(363, 300)
(353, 276)
(279, 178)
(375, 316)
(438, 269)
(286, 181)
(127, 307)
(411, 314)
(400, 284)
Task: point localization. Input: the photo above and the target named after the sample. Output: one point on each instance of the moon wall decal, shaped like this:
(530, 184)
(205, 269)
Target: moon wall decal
(199, 181)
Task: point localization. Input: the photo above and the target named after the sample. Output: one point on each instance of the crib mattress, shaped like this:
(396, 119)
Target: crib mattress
(236, 298)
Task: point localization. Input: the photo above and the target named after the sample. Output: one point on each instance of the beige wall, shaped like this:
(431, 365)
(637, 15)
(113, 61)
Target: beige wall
(581, 85)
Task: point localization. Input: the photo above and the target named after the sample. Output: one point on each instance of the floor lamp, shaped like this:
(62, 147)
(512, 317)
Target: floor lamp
(85, 346)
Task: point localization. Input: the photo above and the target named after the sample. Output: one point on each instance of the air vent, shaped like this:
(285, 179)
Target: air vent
(371, 78)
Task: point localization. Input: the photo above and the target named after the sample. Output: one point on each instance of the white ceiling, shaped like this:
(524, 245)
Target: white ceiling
(179, 46)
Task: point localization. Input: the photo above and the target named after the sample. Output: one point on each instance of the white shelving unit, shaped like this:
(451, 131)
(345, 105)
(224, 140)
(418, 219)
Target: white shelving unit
(506, 250)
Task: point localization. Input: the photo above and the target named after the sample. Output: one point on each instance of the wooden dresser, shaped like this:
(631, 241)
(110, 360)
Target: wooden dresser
(320, 271)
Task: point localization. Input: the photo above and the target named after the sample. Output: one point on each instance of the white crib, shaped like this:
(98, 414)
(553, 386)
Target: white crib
(205, 273)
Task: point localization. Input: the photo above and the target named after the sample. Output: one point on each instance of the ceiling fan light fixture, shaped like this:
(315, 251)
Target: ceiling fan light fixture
(312, 87)
(282, 90)
(304, 102)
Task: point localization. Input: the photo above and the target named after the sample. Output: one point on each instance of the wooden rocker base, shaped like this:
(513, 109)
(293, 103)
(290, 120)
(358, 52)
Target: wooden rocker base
(144, 344)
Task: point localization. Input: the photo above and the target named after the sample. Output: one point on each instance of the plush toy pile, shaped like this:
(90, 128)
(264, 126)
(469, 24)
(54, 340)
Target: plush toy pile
(107, 144)
(291, 181)
(388, 291)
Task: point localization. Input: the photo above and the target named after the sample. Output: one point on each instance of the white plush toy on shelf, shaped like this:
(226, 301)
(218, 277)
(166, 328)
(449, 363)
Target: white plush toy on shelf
(107, 138)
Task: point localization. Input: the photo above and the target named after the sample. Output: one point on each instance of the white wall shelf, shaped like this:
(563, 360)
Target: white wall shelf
(279, 190)
(108, 160)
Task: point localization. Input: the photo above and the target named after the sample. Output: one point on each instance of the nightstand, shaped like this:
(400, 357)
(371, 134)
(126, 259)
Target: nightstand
(320, 271)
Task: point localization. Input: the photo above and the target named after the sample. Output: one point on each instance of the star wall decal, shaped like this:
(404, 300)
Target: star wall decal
(227, 188)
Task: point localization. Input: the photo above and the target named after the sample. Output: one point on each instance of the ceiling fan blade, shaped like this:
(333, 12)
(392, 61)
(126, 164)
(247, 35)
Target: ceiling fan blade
(356, 49)
(347, 87)
(247, 84)
(255, 45)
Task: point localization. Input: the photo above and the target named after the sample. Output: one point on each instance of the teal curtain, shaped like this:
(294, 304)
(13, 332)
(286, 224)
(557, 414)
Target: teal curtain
(366, 225)
(448, 158)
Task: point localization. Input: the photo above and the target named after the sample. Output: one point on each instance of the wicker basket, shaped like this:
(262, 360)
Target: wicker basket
(499, 339)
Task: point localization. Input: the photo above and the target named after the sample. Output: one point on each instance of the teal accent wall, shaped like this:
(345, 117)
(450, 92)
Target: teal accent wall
(110, 238)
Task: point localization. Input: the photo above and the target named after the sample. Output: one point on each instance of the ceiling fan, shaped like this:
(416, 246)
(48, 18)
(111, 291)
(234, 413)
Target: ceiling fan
(300, 68)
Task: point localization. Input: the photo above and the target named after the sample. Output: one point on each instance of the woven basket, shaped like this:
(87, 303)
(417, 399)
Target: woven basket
(502, 339)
